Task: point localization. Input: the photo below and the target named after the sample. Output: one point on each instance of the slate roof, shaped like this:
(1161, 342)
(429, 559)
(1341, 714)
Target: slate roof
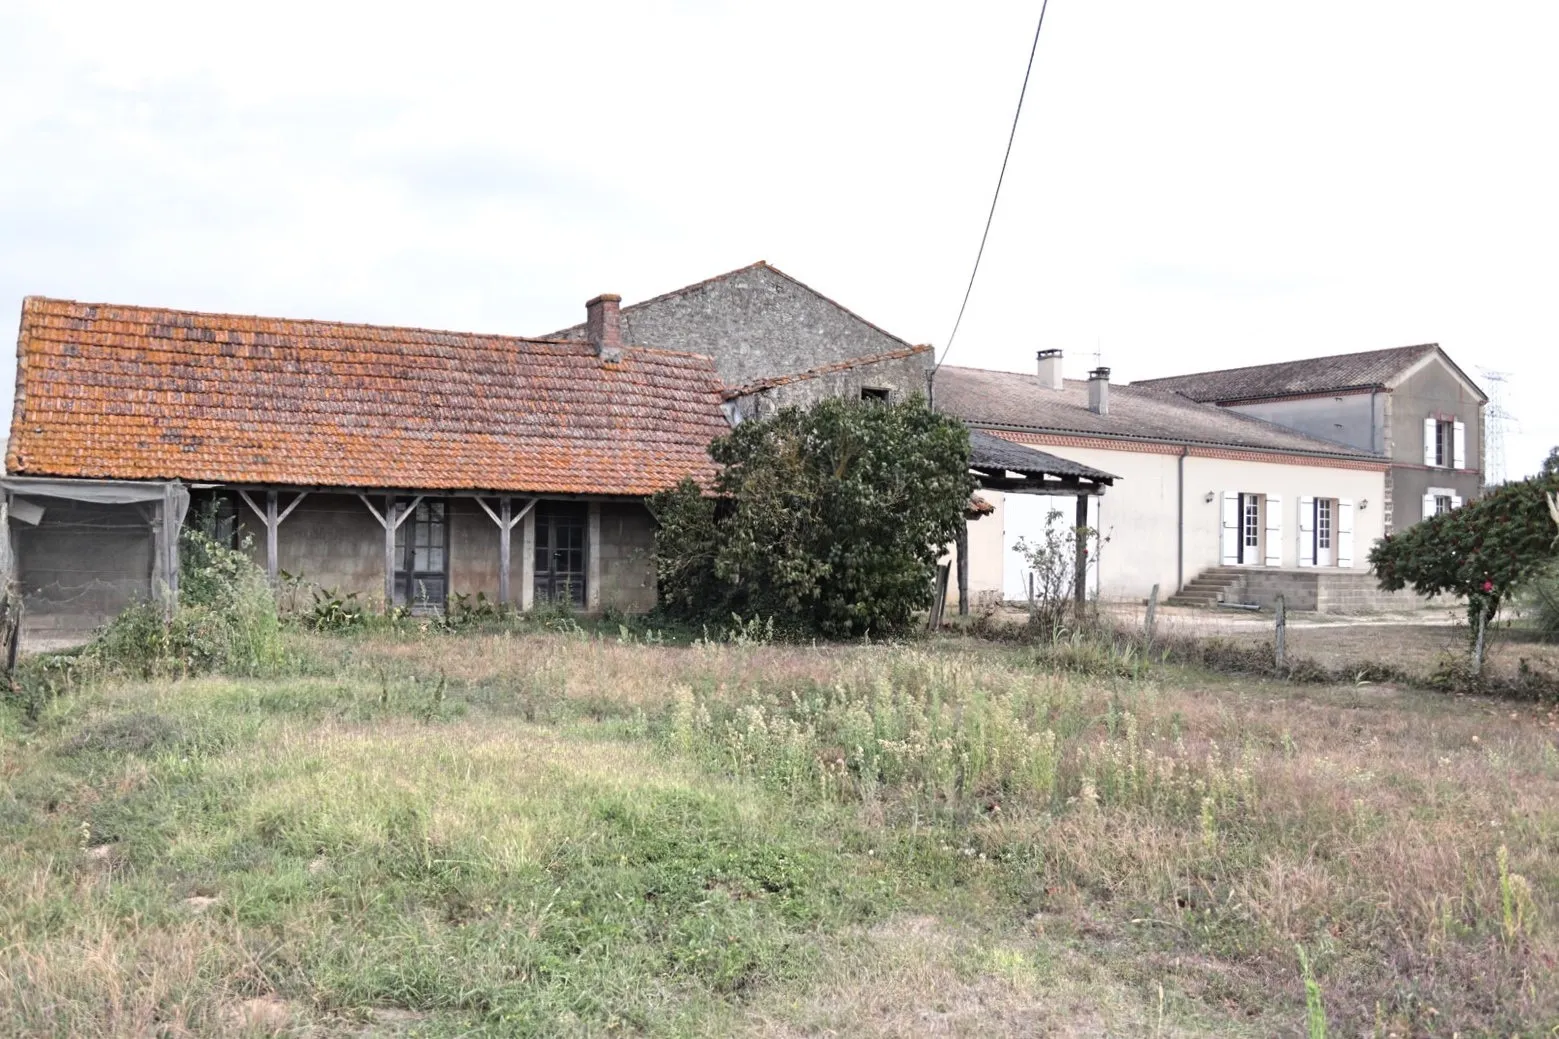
(993, 452)
(1371, 369)
(1011, 400)
(139, 392)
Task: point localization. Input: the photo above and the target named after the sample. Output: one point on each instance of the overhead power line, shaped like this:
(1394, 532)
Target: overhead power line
(1011, 136)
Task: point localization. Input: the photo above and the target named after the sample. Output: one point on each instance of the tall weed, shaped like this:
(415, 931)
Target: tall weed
(225, 618)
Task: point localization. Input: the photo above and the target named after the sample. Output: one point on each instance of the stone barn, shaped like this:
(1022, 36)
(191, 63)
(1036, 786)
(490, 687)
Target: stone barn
(402, 464)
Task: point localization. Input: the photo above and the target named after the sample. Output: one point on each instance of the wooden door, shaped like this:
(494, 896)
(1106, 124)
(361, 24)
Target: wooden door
(560, 553)
(422, 558)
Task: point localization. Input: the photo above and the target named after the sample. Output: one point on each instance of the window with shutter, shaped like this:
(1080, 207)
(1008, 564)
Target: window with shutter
(1306, 531)
(1229, 542)
(1274, 543)
(1345, 532)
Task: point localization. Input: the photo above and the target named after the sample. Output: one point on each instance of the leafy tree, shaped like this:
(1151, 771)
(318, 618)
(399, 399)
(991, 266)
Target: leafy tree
(829, 519)
(1483, 550)
(1550, 464)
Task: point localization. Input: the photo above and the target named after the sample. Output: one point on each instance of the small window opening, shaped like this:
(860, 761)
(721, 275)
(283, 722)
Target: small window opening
(876, 393)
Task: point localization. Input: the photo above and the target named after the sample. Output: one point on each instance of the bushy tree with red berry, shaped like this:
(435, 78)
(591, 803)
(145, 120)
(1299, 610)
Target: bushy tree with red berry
(1484, 550)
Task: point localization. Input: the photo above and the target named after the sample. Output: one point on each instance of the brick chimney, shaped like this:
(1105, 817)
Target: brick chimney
(604, 327)
(1099, 391)
(1050, 369)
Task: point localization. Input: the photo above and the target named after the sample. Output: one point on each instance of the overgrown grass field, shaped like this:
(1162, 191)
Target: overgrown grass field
(551, 833)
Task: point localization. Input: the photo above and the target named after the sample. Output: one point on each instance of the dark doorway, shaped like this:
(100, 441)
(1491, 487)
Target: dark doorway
(560, 552)
(422, 558)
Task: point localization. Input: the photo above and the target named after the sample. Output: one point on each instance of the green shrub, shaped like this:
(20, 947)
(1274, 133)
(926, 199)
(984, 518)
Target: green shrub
(225, 618)
(1541, 596)
(827, 520)
(1485, 550)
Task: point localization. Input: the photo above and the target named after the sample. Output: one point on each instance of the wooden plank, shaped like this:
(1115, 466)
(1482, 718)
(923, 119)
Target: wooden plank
(271, 523)
(963, 569)
(1280, 635)
(505, 528)
(250, 502)
(390, 527)
(288, 510)
(365, 501)
(1080, 577)
(1152, 617)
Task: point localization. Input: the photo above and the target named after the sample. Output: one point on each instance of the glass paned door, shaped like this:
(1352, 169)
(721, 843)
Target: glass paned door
(1250, 528)
(560, 553)
(422, 558)
(1325, 553)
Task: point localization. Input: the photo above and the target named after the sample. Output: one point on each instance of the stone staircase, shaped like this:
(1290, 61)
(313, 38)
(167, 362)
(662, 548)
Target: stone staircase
(1209, 587)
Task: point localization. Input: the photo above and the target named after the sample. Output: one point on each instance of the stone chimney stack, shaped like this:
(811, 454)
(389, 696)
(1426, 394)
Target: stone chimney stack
(604, 327)
(1050, 369)
(1099, 391)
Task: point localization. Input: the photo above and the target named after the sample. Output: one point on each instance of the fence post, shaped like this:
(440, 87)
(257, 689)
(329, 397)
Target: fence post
(1152, 612)
(1280, 638)
(1478, 647)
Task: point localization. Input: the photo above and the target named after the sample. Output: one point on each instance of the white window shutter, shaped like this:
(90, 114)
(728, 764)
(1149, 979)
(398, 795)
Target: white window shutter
(1306, 531)
(1345, 532)
(1230, 542)
(1429, 505)
(1459, 445)
(1274, 530)
(1456, 501)
(1429, 437)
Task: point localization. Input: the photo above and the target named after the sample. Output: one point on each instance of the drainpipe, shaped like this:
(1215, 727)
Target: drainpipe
(1180, 528)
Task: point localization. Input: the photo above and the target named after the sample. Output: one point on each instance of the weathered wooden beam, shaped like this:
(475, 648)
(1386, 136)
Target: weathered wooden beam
(272, 521)
(1059, 488)
(1080, 578)
(391, 525)
(505, 528)
(963, 569)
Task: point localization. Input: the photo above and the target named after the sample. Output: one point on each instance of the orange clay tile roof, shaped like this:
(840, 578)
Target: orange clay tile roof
(143, 393)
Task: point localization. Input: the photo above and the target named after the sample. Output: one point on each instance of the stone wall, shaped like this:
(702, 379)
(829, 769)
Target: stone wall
(758, 323)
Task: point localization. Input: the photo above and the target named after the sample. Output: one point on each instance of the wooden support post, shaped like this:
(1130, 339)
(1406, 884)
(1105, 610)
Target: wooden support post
(390, 527)
(505, 528)
(272, 567)
(963, 569)
(1280, 635)
(1080, 578)
(1152, 617)
(938, 598)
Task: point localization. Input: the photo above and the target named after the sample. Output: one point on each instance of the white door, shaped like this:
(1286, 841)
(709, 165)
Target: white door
(1325, 532)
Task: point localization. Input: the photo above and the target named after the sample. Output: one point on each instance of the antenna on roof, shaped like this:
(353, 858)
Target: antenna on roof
(1495, 419)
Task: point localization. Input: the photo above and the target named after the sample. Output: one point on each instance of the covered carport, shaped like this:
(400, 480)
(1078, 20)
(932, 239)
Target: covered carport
(1031, 483)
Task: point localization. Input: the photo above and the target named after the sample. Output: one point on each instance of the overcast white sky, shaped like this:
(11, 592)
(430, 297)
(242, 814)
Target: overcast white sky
(1195, 185)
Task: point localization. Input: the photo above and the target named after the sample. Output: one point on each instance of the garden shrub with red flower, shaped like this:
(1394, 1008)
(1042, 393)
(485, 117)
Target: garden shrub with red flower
(1484, 550)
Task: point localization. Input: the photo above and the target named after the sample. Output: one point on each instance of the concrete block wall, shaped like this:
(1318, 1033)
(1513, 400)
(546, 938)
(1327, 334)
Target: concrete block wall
(1321, 591)
(627, 565)
(333, 541)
